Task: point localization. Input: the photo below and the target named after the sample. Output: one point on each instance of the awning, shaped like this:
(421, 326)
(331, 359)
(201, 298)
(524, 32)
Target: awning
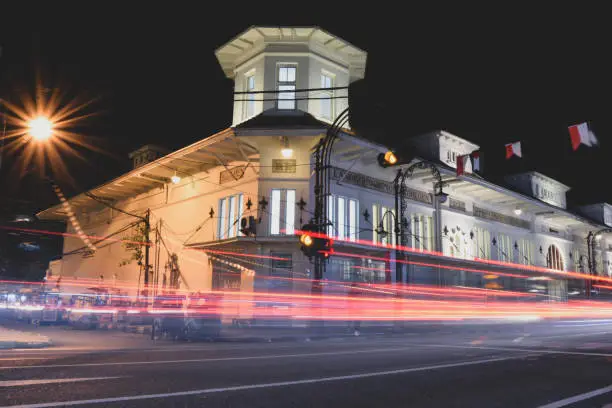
(218, 150)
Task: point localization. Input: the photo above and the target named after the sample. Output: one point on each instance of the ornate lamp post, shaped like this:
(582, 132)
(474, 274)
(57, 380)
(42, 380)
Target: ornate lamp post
(322, 156)
(389, 159)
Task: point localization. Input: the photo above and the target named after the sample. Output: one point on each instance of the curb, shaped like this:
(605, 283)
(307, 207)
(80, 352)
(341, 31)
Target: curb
(7, 345)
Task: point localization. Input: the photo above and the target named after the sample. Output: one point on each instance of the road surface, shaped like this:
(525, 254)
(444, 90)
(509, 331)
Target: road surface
(557, 364)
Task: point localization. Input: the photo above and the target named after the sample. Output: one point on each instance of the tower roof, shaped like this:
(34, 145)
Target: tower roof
(258, 39)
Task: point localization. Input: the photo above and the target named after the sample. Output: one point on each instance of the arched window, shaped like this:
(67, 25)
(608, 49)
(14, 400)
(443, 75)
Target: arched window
(554, 260)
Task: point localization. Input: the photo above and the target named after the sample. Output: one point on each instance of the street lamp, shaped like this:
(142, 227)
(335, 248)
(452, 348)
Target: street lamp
(40, 128)
(175, 179)
(387, 159)
(390, 159)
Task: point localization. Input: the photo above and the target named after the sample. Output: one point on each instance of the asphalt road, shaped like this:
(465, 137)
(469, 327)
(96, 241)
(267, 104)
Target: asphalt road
(519, 365)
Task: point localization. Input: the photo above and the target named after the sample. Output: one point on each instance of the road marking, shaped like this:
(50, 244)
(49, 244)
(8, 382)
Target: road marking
(23, 358)
(264, 385)
(21, 383)
(572, 335)
(524, 350)
(587, 320)
(206, 360)
(161, 349)
(581, 325)
(577, 398)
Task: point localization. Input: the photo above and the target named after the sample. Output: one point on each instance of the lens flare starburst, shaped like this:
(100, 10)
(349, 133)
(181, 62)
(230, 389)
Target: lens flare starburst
(41, 131)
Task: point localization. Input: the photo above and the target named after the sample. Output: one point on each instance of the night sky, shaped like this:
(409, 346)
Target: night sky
(490, 76)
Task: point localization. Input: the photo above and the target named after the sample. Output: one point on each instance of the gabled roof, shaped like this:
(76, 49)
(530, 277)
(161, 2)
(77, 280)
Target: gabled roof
(217, 150)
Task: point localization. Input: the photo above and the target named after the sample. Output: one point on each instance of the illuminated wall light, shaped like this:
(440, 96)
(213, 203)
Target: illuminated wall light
(286, 150)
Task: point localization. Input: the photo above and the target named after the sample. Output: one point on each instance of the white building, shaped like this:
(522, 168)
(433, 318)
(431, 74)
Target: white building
(257, 174)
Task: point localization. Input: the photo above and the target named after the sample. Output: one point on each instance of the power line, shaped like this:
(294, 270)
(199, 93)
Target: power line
(293, 90)
(306, 98)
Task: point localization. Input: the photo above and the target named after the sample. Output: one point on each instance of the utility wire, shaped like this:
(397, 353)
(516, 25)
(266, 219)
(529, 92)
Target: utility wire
(101, 201)
(292, 90)
(305, 98)
(78, 250)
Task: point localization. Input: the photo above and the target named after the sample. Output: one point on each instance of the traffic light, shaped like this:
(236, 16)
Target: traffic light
(387, 159)
(312, 242)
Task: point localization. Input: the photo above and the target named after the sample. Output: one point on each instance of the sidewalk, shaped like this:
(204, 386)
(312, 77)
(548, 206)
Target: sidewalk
(11, 339)
(263, 332)
(275, 334)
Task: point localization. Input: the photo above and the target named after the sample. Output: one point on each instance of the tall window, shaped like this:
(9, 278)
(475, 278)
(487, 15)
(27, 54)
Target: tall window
(577, 260)
(387, 216)
(327, 110)
(455, 245)
(342, 214)
(421, 232)
(505, 250)
(554, 260)
(341, 224)
(482, 243)
(249, 110)
(525, 252)
(353, 219)
(286, 86)
(282, 212)
(599, 265)
(230, 212)
(375, 221)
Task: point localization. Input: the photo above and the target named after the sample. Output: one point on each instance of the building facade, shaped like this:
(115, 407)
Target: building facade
(223, 211)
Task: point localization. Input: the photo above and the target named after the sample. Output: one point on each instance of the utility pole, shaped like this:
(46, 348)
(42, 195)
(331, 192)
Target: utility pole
(399, 232)
(147, 230)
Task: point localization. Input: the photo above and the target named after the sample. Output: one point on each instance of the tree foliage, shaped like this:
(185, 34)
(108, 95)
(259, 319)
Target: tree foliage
(134, 245)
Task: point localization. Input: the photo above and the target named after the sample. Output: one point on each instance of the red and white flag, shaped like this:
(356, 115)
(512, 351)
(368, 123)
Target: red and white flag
(475, 160)
(464, 165)
(513, 149)
(581, 134)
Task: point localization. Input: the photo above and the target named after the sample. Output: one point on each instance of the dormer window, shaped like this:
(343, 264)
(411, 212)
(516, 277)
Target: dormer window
(286, 85)
(451, 157)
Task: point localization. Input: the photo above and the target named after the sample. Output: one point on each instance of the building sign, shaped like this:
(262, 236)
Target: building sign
(371, 183)
(456, 204)
(232, 174)
(283, 166)
(506, 219)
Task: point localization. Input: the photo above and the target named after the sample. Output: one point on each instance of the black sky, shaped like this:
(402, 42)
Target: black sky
(490, 76)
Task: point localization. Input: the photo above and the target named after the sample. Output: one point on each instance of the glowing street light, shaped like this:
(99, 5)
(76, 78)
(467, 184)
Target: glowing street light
(41, 128)
(387, 159)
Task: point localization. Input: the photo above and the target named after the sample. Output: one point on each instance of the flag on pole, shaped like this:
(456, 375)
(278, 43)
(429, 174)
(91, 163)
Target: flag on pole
(581, 134)
(475, 155)
(464, 165)
(513, 149)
